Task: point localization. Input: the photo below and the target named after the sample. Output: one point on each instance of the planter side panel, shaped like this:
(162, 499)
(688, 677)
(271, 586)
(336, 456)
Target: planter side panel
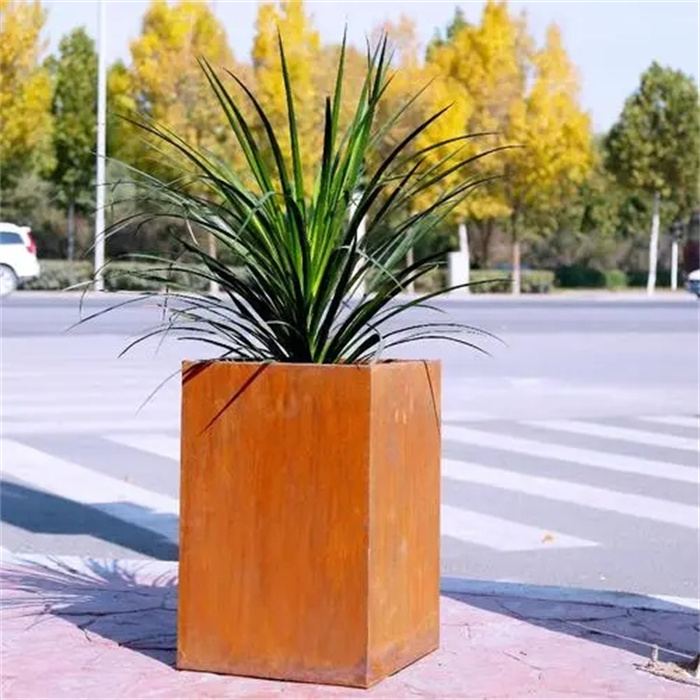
(405, 515)
(273, 529)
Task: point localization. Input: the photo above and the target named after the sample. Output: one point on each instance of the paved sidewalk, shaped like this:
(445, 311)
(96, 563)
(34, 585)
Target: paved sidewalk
(76, 628)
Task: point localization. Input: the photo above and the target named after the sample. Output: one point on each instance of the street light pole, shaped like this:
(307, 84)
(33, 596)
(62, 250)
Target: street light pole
(101, 147)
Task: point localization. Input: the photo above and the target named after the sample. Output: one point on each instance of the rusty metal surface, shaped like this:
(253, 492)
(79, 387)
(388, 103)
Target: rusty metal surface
(309, 535)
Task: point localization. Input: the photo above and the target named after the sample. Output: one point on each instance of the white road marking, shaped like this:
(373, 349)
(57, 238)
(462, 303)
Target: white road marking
(681, 421)
(147, 509)
(616, 433)
(64, 408)
(645, 507)
(465, 416)
(155, 443)
(578, 455)
(502, 535)
(78, 426)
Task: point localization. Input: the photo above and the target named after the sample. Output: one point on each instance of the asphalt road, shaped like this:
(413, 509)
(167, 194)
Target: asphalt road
(571, 452)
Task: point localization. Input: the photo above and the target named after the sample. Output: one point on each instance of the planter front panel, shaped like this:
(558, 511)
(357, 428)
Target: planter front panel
(284, 491)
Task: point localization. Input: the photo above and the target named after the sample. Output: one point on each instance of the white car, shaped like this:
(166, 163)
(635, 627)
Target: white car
(693, 283)
(18, 261)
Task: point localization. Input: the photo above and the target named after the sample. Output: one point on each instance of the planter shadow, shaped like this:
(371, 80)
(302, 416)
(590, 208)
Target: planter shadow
(643, 625)
(40, 512)
(132, 604)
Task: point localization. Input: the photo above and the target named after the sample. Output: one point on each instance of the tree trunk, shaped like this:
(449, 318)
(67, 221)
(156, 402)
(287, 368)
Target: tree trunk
(674, 264)
(484, 243)
(70, 234)
(411, 289)
(213, 286)
(653, 245)
(464, 250)
(516, 256)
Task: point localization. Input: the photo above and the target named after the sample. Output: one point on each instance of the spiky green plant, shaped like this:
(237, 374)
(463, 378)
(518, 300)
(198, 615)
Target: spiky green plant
(303, 259)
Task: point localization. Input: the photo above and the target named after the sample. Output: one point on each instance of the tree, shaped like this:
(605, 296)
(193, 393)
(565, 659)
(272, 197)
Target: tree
(302, 44)
(74, 109)
(25, 97)
(121, 140)
(489, 61)
(165, 81)
(457, 24)
(584, 229)
(437, 92)
(557, 152)
(654, 147)
(527, 98)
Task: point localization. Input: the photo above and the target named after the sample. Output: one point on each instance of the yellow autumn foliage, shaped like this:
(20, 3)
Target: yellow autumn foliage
(302, 47)
(165, 82)
(25, 89)
(530, 98)
(556, 133)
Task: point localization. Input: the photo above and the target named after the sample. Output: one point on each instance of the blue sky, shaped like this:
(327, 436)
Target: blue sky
(610, 42)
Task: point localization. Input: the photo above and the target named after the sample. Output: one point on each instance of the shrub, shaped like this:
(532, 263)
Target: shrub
(60, 274)
(57, 275)
(638, 278)
(432, 281)
(531, 281)
(136, 277)
(536, 281)
(615, 279)
(582, 277)
(579, 276)
(501, 284)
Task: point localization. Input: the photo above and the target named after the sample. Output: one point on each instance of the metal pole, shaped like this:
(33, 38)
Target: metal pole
(101, 147)
(674, 264)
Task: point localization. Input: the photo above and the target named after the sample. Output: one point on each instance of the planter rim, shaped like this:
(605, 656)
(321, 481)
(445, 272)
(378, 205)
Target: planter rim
(318, 366)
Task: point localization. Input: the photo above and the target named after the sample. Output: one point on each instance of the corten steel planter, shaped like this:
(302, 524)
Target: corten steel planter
(309, 528)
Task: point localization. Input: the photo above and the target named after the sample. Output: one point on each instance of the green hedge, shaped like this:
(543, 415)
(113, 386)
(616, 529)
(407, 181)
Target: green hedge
(638, 278)
(124, 276)
(431, 281)
(615, 279)
(118, 276)
(60, 274)
(531, 281)
(581, 277)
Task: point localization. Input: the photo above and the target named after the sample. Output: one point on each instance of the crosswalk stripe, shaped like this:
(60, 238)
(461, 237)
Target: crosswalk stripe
(88, 426)
(92, 397)
(579, 455)
(681, 421)
(129, 410)
(616, 433)
(146, 508)
(105, 493)
(155, 443)
(502, 535)
(644, 507)
(465, 416)
(70, 377)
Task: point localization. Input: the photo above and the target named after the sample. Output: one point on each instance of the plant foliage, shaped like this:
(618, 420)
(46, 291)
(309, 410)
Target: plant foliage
(314, 290)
